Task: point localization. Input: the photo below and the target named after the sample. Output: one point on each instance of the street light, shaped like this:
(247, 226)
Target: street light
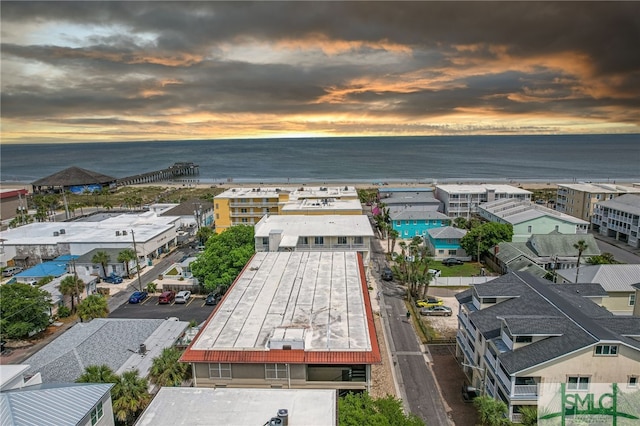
(484, 375)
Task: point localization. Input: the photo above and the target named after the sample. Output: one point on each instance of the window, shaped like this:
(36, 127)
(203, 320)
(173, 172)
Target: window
(523, 339)
(243, 210)
(342, 241)
(489, 300)
(96, 413)
(398, 222)
(632, 299)
(318, 240)
(217, 215)
(265, 241)
(529, 229)
(245, 220)
(633, 382)
(453, 252)
(217, 206)
(578, 383)
(415, 222)
(276, 371)
(557, 228)
(220, 371)
(358, 240)
(604, 350)
(406, 222)
(304, 240)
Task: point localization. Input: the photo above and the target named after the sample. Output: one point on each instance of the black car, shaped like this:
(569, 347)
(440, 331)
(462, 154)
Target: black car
(452, 261)
(387, 274)
(212, 299)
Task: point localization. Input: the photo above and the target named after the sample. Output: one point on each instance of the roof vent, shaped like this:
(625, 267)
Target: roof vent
(56, 233)
(117, 233)
(62, 231)
(283, 414)
(143, 349)
(124, 232)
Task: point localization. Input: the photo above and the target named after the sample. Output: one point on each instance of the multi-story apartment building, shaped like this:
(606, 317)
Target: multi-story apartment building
(290, 320)
(579, 199)
(246, 206)
(527, 219)
(619, 218)
(463, 200)
(518, 332)
(315, 233)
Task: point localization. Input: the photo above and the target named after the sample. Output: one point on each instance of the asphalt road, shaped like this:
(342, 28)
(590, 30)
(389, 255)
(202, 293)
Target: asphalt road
(194, 309)
(415, 377)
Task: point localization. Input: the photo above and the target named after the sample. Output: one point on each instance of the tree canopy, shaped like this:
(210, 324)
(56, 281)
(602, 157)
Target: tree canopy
(361, 409)
(94, 306)
(166, 370)
(483, 238)
(224, 257)
(24, 309)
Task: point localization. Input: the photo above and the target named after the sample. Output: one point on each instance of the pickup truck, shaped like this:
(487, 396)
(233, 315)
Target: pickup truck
(113, 279)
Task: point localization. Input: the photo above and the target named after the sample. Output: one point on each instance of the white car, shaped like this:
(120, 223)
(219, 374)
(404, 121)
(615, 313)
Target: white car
(182, 296)
(435, 272)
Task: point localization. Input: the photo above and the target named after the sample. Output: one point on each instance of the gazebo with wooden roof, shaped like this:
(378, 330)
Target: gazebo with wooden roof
(73, 179)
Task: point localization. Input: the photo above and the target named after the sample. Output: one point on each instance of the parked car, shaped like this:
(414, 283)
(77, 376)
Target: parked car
(439, 310)
(450, 261)
(183, 296)
(469, 393)
(166, 297)
(387, 274)
(212, 299)
(138, 296)
(435, 272)
(429, 302)
(112, 279)
(11, 271)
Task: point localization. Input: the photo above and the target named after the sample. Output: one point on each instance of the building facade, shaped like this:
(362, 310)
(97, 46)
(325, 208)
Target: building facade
(619, 218)
(579, 199)
(463, 200)
(290, 320)
(416, 221)
(445, 242)
(517, 332)
(315, 233)
(246, 206)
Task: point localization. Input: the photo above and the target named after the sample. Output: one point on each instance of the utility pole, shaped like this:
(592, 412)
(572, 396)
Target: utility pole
(137, 261)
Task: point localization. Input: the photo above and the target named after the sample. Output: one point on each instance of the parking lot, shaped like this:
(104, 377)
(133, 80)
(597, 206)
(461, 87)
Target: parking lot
(194, 309)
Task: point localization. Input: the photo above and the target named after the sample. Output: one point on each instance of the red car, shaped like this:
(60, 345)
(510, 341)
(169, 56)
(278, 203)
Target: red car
(167, 297)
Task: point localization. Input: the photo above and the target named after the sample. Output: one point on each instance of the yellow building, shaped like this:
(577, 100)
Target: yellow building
(246, 206)
(578, 199)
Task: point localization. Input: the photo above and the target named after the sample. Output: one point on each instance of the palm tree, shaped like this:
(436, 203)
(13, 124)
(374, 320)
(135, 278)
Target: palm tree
(166, 370)
(581, 246)
(98, 374)
(94, 306)
(130, 396)
(71, 286)
(126, 256)
(393, 236)
(102, 258)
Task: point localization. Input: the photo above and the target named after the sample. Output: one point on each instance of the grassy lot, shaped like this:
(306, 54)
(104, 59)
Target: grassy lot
(467, 270)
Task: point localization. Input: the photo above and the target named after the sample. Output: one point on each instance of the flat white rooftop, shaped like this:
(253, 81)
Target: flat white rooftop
(600, 188)
(146, 226)
(239, 407)
(312, 299)
(321, 204)
(516, 211)
(295, 192)
(482, 188)
(307, 226)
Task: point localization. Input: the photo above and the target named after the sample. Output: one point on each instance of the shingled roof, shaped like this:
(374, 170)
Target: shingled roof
(74, 176)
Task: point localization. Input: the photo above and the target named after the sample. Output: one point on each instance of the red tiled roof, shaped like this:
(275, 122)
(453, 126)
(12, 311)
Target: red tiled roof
(293, 356)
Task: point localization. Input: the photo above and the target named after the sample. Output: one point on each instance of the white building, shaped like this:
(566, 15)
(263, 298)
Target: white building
(46, 240)
(463, 200)
(315, 233)
(619, 218)
(579, 199)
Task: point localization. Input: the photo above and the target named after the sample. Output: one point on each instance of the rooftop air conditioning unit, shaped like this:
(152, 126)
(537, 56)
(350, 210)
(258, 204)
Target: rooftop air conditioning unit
(117, 233)
(62, 231)
(124, 232)
(56, 233)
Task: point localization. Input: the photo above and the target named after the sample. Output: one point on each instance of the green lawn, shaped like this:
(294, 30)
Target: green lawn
(467, 270)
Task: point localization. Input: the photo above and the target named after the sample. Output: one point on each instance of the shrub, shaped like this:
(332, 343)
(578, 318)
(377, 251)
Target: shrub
(64, 312)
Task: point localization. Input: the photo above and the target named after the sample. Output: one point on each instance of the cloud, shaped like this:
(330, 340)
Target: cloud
(156, 69)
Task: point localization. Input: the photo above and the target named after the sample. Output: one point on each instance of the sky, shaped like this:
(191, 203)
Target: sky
(159, 70)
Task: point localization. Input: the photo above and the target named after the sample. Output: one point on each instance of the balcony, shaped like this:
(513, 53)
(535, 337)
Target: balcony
(260, 204)
(490, 360)
(525, 392)
(504, 379)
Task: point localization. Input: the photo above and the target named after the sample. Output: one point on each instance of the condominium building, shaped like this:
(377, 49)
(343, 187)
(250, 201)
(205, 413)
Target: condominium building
(527, 219)
(246, 206)
(463, 200)
(290, 320)
(579, 199)
(315, 233)
(517, 333)
(619, 218)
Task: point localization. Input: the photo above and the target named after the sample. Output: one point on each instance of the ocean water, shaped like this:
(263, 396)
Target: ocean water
(564, 158)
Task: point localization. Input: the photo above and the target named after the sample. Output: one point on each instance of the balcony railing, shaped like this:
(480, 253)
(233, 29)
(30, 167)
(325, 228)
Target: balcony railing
(504, 379)
(490, 359)
(236, 204)
(529, 391)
